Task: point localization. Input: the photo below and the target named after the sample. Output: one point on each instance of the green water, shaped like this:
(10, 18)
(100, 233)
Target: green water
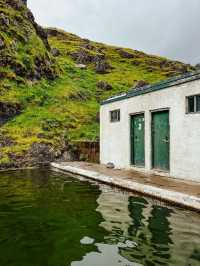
(50, 219)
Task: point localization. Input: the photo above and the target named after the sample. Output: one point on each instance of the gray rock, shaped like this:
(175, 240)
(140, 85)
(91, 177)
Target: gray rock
(110, 165)
(102, 67)
(2, 44)
(87, 241)
(68, 156)
(42, 152)
(141, 83)
(4, 20)
(125, 54)
(81, 66)
(103, 85)
(55, 52)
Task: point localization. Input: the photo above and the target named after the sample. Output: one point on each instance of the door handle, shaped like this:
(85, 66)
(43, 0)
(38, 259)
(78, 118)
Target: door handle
(165, 140)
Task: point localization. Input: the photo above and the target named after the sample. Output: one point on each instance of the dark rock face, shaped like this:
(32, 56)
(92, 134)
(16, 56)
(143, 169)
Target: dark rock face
(16, 4)
(2, 44)
(102, 67)
(82, 57)
(141, 83)
(4, 20)
(55, 52)
(5, 141)
(103, 85)
(8, 111)
(42, 153)
(125, 54)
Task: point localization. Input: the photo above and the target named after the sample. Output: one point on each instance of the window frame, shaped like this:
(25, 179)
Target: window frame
(195, 104)
(118, 116)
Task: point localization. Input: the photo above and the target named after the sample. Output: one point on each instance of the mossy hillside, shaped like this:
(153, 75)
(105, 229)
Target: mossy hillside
(55, 112)
(23, 54)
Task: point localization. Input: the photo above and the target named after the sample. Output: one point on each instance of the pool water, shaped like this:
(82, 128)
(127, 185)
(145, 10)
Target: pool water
(51, 219)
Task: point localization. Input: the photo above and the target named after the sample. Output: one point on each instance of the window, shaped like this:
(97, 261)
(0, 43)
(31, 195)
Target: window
(115, 116)
(193, 104)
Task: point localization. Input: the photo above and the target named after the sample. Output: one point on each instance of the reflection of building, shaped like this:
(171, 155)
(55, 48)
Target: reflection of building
(185, 245)
(142, 232)
(163, 235)
(114, 209)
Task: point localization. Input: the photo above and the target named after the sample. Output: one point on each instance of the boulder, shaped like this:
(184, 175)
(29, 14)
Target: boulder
(42, 152)
(8, 111)
(2, 44)
(110, 165)
(82, 57)
(81, 66)
(125, 54)
(102, 67)
(88, 46)
(140, 83)
(4, 21)
(103, 85)
(55, 52)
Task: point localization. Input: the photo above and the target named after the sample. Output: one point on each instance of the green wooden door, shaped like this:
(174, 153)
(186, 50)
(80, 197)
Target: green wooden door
(137, 140)
(160, 140)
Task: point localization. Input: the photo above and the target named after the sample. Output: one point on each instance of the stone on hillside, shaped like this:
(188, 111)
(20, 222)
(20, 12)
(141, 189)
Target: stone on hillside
(125, 54)
(141, 83)
(4, 21)
(102, 67)
(88, 46)
(15, 4)
(81, 66)
(103, 85)
(2, 44)
(55, 52)
(82, 57)
(42, 152)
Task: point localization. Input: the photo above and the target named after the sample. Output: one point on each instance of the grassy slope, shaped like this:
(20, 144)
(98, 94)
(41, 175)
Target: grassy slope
(66, 109)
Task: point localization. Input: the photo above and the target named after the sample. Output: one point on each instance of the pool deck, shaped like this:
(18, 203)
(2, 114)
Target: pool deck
(179, 192)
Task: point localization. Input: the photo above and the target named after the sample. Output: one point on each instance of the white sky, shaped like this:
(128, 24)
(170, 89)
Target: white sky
(163, 27)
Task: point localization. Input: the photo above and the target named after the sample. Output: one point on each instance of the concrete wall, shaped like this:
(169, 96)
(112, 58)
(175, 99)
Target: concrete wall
(184, 130)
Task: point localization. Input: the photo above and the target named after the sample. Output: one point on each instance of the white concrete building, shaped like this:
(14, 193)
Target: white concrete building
(155, 128)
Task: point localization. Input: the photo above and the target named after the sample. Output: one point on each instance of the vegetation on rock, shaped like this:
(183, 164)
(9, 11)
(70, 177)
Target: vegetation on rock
(51, 84)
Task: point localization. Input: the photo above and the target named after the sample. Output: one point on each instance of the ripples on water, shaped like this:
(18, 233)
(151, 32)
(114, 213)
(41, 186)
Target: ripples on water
(49, 219)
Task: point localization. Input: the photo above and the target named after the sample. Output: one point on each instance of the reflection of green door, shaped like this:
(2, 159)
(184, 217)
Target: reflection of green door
(160, 140)
(137, 140)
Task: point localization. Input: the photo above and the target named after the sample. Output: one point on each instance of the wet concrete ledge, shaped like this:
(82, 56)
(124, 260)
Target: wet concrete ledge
(172, 196)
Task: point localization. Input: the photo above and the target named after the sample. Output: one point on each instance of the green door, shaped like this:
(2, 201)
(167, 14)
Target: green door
(160, 140)
(137, 140)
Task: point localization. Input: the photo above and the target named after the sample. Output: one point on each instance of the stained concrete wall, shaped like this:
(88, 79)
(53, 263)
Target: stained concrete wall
(184, 130)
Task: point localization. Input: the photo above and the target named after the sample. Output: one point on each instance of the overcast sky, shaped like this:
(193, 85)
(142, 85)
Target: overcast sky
(169, 28)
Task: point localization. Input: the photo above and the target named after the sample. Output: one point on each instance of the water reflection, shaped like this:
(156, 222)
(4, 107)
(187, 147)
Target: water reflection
(142, 232)
(49, 219)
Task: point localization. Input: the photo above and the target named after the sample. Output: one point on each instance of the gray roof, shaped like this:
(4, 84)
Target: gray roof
(189, 77)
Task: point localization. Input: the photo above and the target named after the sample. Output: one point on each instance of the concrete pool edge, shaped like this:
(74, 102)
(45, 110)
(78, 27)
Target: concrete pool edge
(181, 199)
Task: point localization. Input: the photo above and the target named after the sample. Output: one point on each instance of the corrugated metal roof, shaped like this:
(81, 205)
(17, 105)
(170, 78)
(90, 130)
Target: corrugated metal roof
(189, 77)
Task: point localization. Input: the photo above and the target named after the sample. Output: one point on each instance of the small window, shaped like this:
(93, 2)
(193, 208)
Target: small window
(193, 104)
(115, 116)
